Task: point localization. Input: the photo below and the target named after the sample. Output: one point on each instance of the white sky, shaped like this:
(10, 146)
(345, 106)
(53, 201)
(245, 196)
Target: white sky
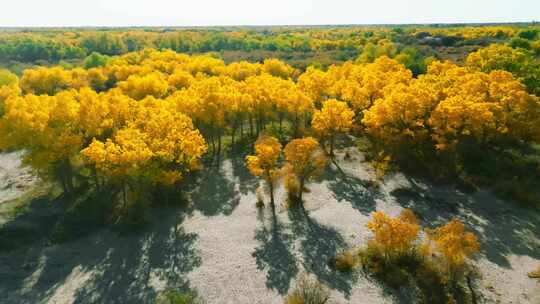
(246, 12)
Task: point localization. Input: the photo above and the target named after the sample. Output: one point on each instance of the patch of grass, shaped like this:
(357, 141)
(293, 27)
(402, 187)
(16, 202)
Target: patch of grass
(524, 192)
(85, 214)
(259, 193)
(393, 273)
(416, 273)
(308, 291)
(173, 296)
(20, 204)
(28, 218)
(346, 260)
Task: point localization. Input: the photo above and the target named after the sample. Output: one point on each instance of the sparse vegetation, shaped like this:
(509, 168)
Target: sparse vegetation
(173, 296)
(308, 291)
(397, 256)
(535, 274)
(346, 260)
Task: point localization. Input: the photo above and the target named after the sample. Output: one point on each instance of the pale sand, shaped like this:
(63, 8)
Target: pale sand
(231, 252)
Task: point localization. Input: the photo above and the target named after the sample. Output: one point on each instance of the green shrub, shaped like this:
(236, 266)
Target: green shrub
(529, 34)
(178, 297)
(520, 43)
(95, 60)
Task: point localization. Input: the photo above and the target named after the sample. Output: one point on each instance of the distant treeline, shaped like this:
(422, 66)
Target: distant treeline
(43, 46)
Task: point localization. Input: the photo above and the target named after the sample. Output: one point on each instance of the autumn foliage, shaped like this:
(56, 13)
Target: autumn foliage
(265, 162)
(453, 246)
(305, 160)
(151, 116)
(394, 237)
(402, 254)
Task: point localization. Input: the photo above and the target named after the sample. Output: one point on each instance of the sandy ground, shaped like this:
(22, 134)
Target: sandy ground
(231, 252)
(14, 181)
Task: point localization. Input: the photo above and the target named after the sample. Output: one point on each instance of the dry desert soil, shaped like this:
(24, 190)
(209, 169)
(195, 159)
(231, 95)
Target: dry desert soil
(232, 252)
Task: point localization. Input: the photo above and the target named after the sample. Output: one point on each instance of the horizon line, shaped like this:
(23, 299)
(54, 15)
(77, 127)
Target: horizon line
(465, 23)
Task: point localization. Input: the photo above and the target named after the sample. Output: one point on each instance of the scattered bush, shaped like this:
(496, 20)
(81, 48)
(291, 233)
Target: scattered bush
(520, 43)
(178, 297)
(393, 237)
(95, 60)
(260, 197)
(435, 269)
(453, 246)
(535, 274)
(346, 260)
(292, 185)
(308, 291)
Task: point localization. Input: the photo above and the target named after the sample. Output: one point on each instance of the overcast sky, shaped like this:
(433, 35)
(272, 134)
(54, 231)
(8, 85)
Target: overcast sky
(253, 12)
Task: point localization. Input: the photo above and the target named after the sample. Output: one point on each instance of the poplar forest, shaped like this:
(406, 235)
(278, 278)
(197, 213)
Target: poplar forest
(299, 164)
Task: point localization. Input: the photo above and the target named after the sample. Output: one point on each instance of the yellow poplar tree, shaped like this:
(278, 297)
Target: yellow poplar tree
(305, 160)
(334, 118)
(264, 162)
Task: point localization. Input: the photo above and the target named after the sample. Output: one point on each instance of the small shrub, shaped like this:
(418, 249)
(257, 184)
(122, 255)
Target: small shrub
(393, 257)
(260, 198)
(95, 60)
(178, 297)
(393, 237)
(382, 165)
(308, 291)
(292, 185)
(521, 191)
(535, 274)
(391, 272)
(346, 260)
(452, 247)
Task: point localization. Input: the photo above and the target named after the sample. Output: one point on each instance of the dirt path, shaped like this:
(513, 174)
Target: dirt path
(232, 253)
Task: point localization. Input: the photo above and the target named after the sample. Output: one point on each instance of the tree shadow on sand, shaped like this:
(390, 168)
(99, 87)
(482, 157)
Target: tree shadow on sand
(32, 225)
(275, 254)
(361, 194)
(503, 228)
(116, 269)
(246, 182)
(319, 246)
(215, 193)
(165, 254)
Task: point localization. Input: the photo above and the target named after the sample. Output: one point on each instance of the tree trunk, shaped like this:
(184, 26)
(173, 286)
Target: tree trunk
(295, 126)
(332, 140)
(233, 133)
(241, 129)
(124, 196)
(272, 203)
(219, 145)
(66, 177)
(471, 289)
(96, 178)
(213, 144)
(301, 191)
